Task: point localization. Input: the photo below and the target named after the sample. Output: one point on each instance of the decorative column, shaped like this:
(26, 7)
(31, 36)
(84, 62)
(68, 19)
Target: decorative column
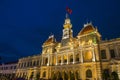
(108, 52)
(81, 57)
(67, 59)
(93, 53)
(118, 70)
(116, 51)
(51, 60)
(48, 60)
(73, 58)
(35, 73)
(61, 59)
(56, 60)
(42, 60)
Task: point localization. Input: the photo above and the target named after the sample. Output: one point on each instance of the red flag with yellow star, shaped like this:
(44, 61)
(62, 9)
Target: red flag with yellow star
(69, 10)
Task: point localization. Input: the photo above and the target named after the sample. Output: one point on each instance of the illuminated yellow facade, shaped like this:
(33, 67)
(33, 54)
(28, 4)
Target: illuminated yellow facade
(84, 57)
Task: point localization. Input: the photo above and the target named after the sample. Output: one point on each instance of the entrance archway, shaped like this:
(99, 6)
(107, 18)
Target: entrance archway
(72, 77)
(106, 74)
(59, 76)
(77, 75)
(65, 75)
(54, 77)
(32, 74)
(44, 74)
(114, 75)
(88, 74)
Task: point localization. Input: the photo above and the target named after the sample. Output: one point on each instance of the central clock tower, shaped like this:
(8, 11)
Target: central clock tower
(67, 31)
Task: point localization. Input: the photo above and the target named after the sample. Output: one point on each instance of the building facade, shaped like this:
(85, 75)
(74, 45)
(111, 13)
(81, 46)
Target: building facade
(8, 70)
(84, 57)
(29, 67)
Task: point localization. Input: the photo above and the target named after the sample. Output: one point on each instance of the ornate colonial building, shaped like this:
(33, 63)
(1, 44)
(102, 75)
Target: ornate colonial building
(84, 57)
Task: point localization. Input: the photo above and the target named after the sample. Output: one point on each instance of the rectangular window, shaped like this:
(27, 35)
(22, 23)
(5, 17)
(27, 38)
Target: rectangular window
(112, 53)
(103, 54)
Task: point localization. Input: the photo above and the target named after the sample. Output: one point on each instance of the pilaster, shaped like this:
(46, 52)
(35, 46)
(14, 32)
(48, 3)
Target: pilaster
(93, 59)
(56, 60)
(108, 52)
(81, 57)
(73, 58)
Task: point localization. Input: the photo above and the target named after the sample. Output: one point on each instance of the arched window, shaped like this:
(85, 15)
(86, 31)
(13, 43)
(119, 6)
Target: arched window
(37, 63)
(25, 64)
(71, 58)
(34, 63)
(59, 59)
(72, 76)
(65, 58)
(65, 75)
(77, 57)
(22, 65)
(114, 76)
(38, 76)
(28, 64)
(112, 53)
(88, 73)
(46, 61)
(103, 54)
(77, 75)
(44, 74)
(32, 74)
(106, 74)
(88, 55)
(31, 63)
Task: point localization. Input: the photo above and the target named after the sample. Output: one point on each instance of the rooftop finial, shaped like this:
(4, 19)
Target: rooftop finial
(96, 28)
(51, 35)
(87, 20)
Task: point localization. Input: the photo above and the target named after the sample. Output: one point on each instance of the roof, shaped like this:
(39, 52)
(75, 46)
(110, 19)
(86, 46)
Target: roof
(50, 40)
(87, 29)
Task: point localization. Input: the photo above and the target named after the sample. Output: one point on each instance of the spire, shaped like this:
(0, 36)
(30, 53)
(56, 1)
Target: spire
(67, 16)
(96, 28)
(67, 20)
(67, 31)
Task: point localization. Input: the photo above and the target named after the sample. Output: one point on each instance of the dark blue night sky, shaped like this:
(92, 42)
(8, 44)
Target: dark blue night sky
(26, 24)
